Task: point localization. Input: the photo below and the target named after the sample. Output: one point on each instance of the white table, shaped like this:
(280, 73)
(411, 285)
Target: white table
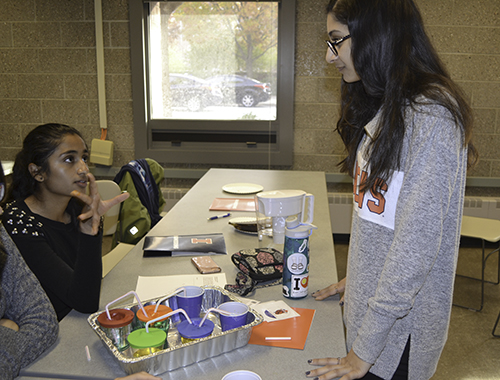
(67, 358)
(486, 230)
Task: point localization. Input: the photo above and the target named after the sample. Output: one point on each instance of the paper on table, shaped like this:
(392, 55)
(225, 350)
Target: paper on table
(232, 204)
(156, 286)
(296, 328)
(279, 309)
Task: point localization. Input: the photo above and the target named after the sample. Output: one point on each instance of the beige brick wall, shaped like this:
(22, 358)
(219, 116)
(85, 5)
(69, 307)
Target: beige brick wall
(48, 73)
(466, 34)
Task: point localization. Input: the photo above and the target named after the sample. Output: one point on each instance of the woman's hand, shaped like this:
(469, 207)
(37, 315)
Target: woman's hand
(348, 368)
(138, 376)
(95, 207)
(331, 290)
(10, 324)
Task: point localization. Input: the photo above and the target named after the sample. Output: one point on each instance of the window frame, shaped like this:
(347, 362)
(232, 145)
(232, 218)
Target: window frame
(251, 145)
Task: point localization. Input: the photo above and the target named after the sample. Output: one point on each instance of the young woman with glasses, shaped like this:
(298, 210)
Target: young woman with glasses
(52, 219)
(407, 130)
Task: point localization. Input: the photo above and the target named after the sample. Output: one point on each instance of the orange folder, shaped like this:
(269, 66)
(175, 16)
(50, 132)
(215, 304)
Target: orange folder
(297, 328)
(232, 204)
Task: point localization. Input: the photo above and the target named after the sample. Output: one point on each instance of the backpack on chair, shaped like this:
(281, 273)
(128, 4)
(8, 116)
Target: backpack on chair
(141, 211)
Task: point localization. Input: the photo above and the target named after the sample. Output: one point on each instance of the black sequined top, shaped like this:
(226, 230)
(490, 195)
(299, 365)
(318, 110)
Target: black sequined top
(66, 261)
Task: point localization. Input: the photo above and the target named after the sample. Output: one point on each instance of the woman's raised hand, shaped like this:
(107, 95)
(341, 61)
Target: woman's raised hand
(95, 207)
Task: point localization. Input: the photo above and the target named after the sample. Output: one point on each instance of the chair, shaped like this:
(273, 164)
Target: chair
(495, 327)
(107, 190)
(486, 230)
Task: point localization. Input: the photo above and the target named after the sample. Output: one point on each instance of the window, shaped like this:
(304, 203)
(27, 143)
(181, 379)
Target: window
(213, 81)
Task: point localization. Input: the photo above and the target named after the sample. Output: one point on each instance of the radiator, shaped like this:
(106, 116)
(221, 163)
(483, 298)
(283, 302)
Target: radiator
(340, 212)
(341, 207)
(484, 207)
(172, 196)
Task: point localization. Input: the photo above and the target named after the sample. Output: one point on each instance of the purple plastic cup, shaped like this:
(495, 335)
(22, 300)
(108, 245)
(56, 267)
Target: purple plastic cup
(190, 300)
(237, 318)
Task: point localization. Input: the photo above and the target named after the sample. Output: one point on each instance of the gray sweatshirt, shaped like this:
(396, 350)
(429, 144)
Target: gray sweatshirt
(404, 247)
(23, 301)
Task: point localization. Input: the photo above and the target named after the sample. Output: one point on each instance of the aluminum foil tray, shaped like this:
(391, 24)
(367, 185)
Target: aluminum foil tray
(182, 354)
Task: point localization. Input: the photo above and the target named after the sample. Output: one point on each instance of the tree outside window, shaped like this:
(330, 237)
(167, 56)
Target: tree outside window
(212, 79)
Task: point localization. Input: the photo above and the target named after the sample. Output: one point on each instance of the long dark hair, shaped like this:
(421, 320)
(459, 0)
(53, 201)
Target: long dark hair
(38, 146)
(3, 254)
(3, 184)
(397, 63)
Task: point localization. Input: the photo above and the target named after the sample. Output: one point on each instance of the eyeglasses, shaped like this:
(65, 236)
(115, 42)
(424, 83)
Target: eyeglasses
(333, 44)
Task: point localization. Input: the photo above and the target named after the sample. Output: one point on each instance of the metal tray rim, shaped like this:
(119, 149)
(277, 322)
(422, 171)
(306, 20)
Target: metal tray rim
(92, 320)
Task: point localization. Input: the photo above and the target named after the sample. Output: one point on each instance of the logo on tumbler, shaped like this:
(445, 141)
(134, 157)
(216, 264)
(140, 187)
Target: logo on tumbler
(296, 263)
(198, 241)
(304, 282)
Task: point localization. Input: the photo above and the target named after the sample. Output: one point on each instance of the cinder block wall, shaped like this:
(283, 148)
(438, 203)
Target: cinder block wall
(466, 34)
(48, 73)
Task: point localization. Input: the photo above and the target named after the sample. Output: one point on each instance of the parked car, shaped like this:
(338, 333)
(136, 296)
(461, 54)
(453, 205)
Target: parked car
(193, 92)
(245, 91)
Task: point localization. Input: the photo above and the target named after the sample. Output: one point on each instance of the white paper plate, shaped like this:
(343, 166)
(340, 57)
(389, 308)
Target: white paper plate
(242, 188)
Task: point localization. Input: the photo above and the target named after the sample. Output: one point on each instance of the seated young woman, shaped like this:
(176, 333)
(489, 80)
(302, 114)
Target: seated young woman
(28, 323)
(53, 221)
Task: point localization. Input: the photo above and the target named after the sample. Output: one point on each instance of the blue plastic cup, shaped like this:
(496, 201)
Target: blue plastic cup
(237, 318)
(190, 300)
